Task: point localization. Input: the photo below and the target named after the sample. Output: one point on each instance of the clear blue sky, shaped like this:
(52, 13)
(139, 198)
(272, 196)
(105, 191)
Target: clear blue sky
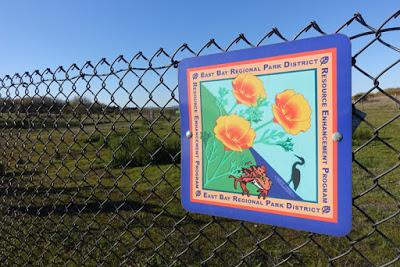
(41, 34)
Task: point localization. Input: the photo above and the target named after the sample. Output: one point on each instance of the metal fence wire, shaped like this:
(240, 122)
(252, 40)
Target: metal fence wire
(90, 167)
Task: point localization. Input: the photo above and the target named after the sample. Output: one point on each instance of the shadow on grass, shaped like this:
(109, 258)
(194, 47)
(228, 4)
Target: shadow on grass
(94, 205)
(106, 206)
(15, 174)
(41, 191)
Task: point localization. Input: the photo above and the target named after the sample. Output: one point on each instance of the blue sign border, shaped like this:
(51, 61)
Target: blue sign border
(344, 126)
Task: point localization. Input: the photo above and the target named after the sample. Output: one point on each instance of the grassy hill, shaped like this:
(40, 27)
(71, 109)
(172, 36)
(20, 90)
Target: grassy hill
(395, 92)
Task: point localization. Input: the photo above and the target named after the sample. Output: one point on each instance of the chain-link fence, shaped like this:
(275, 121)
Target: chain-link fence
(90, 167)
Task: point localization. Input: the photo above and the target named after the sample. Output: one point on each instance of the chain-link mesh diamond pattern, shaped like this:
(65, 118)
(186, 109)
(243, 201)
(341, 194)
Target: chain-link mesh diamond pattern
(90, 167)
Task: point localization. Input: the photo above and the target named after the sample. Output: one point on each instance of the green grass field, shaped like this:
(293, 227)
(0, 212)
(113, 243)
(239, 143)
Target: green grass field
(66, 199)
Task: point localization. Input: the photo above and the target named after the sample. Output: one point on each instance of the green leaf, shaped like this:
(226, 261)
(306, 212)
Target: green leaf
(218, 162)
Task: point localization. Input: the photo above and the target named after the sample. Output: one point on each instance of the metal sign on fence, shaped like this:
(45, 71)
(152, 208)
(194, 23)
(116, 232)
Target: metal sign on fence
(266, 134)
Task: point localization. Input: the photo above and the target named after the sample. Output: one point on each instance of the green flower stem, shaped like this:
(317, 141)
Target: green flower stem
(220, 109)
(264, 142)
(233, 108)
(263, 125)
(210, 155)
(222, 161)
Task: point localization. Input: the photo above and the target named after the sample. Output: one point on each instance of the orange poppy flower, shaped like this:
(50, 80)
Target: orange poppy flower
(292, 111)
(234, 132)
(248, 89)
